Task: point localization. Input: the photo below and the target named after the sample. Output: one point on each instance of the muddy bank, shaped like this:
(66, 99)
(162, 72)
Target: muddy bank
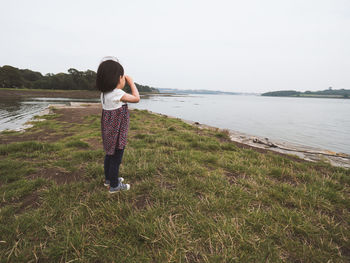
(73, 94)
(23, 93)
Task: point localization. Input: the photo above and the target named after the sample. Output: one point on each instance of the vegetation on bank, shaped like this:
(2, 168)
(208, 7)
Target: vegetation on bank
(11, 77)
(195, 197)
(328, 93)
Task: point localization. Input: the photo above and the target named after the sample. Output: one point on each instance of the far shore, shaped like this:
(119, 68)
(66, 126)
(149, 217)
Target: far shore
(313, 96)
(46, 93)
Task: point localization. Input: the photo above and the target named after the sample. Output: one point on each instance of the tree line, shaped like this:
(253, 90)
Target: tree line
(12, 77)
(345, 93)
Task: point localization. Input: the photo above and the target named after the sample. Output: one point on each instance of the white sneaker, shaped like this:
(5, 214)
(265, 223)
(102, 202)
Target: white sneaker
(107, 182)
(120, 187)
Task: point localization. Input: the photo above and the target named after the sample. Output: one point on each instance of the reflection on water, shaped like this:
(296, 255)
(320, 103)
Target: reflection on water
(15, 112)
(322, 123)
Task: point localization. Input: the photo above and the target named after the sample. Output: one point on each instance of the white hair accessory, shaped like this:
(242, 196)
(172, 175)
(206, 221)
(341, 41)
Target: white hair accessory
(109, 58)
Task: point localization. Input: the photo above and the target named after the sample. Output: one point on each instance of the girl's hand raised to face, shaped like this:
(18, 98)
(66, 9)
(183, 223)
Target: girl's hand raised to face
(128, 79)
(134, 96)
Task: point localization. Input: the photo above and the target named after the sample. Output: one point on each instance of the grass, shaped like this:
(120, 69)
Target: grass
(195, 197)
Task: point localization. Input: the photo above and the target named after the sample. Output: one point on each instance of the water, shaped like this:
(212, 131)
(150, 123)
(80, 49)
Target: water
(15, 112)
(321, 123)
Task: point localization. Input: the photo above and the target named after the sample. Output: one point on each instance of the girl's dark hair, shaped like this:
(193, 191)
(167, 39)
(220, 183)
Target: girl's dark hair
(108, 75)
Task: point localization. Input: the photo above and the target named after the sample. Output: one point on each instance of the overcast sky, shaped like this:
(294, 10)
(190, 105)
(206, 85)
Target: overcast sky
(239, 46)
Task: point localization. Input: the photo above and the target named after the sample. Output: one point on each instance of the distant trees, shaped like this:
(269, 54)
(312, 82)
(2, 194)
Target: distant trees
(141, 88)
(282, 93)
(30, 75)
(11, 77)
(292, 93)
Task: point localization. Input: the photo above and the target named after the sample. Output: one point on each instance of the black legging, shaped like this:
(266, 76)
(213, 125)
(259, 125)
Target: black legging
(111, 166)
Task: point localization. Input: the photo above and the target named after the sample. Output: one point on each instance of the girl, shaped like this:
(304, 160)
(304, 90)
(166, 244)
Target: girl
(110, 80)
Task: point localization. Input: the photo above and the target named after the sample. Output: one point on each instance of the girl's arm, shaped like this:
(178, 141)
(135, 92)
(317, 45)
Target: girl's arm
(135, 97)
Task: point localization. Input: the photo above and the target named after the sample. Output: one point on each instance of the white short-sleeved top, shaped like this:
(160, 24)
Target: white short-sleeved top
(111, 100)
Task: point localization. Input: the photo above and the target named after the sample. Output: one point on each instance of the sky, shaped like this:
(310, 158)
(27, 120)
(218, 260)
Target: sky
(238, 46)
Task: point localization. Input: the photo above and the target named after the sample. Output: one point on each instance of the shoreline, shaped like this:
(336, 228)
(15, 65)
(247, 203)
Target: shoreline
(317, 97)
(42, 93)
(191, 189)
(307, 153)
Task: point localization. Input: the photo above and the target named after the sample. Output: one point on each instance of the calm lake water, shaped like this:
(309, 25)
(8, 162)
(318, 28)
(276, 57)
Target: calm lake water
(321, 123)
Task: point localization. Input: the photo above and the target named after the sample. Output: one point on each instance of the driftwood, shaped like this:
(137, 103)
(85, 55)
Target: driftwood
(270, 144)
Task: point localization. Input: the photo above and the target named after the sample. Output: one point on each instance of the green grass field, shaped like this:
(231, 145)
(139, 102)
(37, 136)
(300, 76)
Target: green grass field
(195, 197)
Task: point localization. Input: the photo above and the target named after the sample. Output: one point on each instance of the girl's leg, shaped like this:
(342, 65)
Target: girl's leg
(116, 160)
(106, 167)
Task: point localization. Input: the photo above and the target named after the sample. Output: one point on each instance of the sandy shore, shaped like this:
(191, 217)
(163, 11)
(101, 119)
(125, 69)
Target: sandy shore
(243, 140)
(23, 93)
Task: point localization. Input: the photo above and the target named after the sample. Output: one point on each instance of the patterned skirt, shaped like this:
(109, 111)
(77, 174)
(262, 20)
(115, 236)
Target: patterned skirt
(114, 128)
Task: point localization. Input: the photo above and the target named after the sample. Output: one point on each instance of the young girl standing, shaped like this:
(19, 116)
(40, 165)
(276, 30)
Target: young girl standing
(110, 80)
